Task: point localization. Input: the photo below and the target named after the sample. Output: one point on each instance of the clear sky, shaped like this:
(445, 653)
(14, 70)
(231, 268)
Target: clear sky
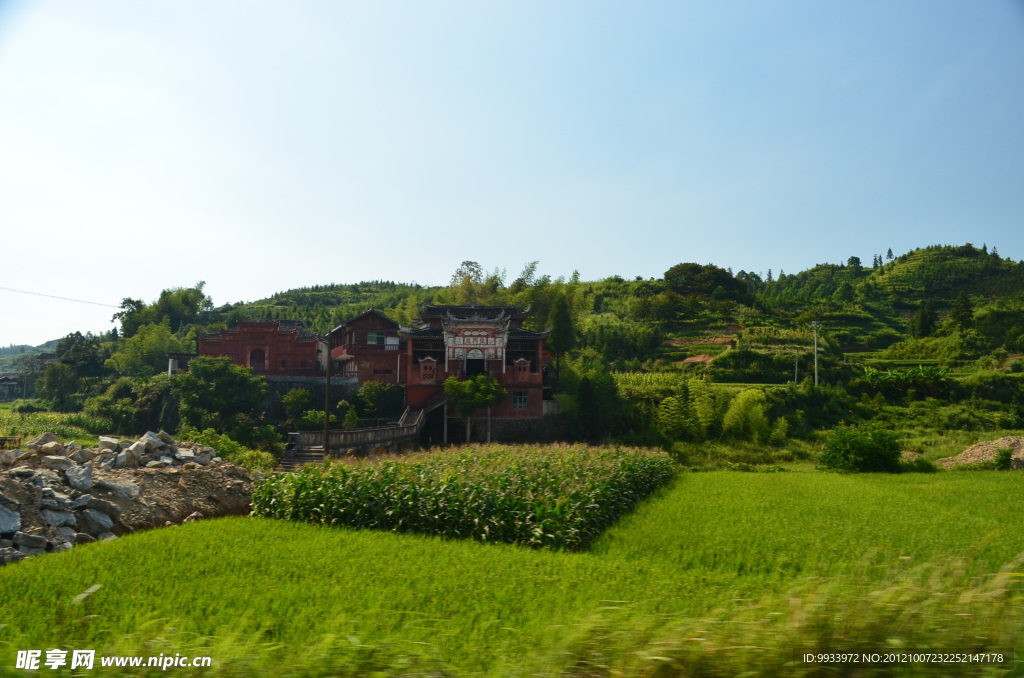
(262, 146)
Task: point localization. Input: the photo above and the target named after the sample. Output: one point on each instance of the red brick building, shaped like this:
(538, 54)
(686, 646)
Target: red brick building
(463, 341)
(458, 341)
(368, 348)
(270, 347)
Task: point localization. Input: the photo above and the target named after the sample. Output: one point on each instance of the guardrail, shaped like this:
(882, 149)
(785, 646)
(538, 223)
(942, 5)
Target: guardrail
(347, 438)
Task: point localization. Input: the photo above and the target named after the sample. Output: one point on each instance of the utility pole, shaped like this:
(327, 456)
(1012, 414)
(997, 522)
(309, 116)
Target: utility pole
(327, 395)
(815, 325)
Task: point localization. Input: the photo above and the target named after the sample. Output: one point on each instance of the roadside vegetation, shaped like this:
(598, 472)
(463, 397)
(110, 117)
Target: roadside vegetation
(834, 529)
(716, 574)
(924, 343)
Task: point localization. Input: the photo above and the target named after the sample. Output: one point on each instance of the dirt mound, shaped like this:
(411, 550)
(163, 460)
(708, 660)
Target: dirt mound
(54, 496)
(987, 451)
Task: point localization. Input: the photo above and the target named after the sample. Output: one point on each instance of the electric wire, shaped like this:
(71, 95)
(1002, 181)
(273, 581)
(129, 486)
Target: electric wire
(54, 296)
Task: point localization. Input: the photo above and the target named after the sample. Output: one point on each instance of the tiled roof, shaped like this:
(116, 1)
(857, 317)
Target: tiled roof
(472, 312)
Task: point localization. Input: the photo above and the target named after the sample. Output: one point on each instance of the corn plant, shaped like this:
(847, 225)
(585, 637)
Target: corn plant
(557, 497)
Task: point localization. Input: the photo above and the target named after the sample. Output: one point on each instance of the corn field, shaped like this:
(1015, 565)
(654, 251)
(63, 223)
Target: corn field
(79, 427)
(558, 497)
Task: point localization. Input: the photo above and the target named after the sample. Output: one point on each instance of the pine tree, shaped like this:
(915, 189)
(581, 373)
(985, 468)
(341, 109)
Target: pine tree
(962, 314)
(924, 321)
(562, 338)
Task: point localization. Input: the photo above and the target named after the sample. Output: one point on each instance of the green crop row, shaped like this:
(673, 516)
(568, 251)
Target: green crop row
(557, 497)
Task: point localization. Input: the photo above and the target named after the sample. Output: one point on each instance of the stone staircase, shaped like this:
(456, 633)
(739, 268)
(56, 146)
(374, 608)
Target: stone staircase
(306, 447)
(301, 458)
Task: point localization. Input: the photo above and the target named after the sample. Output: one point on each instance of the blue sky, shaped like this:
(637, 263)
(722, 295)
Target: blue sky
(262, 146)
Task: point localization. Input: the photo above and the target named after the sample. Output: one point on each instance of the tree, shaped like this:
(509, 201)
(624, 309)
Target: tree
(671, 419)
(136, 405)
(180, 306)
(562, 338)
(844, 293)
(28, 367)
(351, 419)
(854, 264)
(145, 353)
(216, 393)
(889, 255)
(82, 353)
(525, 279)
(130, 316)
(962, 313)
(57, 385)
(467, 282)
(924, 321)
(473, 394)
(380, 399)
(296, 402)
(746, 417)
(689, 278)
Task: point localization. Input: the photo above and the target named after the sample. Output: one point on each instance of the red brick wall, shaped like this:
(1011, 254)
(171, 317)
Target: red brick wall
(283, 353)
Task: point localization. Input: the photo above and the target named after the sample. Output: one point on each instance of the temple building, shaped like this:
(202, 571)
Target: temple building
(443, 342)
(446, 341)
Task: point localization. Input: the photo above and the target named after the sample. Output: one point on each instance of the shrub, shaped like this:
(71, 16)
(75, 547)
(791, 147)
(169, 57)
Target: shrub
(255, 460)
(861, 449)
(1004, 459)
(313, 420)
(231, 450)
(780, 431)
(918, 465)
(27, 406)
(745, 419)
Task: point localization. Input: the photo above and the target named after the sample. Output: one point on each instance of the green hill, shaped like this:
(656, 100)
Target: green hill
(939, 273)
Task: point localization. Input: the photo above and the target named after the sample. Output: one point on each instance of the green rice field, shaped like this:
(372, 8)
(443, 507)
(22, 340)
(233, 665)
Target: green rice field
(717, 574)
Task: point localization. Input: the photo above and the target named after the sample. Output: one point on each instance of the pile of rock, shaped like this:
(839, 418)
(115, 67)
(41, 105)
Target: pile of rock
(988, 451)
(54, 495)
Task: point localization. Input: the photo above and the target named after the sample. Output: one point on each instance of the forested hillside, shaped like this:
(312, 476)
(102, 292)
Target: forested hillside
(695, 355)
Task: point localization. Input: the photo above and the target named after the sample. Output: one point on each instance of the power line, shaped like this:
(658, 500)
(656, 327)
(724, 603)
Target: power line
(53, 296)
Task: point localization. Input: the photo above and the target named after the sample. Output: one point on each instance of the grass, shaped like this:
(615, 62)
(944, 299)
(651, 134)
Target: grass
(717, 573)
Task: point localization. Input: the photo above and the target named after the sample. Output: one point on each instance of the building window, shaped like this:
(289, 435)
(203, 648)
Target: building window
(284, 363)
(375, 338)
(427, 370)
(519, 400)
